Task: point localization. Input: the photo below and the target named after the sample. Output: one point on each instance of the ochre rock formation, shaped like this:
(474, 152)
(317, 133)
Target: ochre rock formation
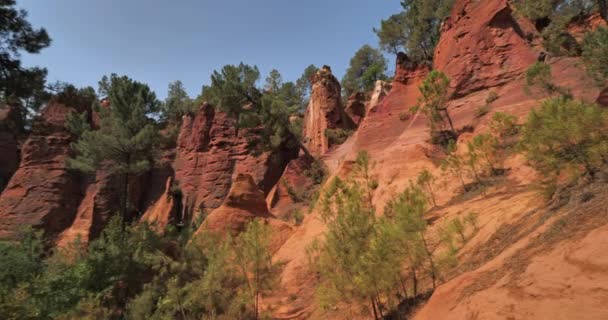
(356, 107)
(483, 45)
(381, 90)
(294, 179)
(210, 154)
(244, 203)
(160, 214)
(42, 193)
(9, 146)
(324, 111)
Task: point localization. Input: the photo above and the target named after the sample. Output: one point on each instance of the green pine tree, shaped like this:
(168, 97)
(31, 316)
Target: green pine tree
(20, 86)
(127, 141)
(366, 67)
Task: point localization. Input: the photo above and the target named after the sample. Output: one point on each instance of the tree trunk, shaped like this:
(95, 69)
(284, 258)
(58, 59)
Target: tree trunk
(414, 283)
(432, 194)
(430, 255)
(374, 308)
(404, 288)
(125, 201)
(381, 314)
(447, 115)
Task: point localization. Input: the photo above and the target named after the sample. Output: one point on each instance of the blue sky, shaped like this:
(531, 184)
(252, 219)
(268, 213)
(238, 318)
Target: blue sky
(158, 41)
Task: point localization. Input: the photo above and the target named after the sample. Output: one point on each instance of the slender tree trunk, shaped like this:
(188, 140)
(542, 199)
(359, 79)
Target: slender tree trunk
(125, 201)
(404, 288)
(447, 115)
(374, 308)
(430, 255)
(485, 156)
(430, 186)
(381, 314)
(414, 282)
(464, 186)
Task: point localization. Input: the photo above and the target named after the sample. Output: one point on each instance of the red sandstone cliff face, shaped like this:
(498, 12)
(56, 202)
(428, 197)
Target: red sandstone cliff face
(483, 45)
(244, 203)
(9, 147)
(324, 112)
(210, 155)
(42, 193)
(294, 179)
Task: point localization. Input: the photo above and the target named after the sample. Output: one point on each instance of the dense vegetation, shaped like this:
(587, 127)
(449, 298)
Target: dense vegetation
(137, 274)
(373, 261)
(415, 30)
(366, 67)
(552, 19)
(20, 86)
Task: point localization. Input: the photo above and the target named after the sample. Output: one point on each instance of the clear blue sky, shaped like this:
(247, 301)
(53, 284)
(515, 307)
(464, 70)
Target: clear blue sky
(158, 41)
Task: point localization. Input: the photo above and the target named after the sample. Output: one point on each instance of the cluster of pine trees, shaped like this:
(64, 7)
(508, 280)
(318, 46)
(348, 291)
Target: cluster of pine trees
(134, 273)
(379, 260)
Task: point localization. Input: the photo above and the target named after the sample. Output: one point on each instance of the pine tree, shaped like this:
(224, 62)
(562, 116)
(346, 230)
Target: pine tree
(254, 259)
(407, 210)
(177, 103)
(20, 85)
(366, 67)
(433, 103)
(565, 136)
(127, 141)
(416, 29)
(454, 164)
(304, 86)
(425, 180)
(233, 89)
(595, 54)
(486, 146)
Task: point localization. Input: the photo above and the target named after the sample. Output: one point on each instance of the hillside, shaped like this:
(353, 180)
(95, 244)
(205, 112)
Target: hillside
(527, 257)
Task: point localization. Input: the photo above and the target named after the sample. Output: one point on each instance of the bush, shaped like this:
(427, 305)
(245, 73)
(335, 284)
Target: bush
(492, 96)
(482, 111)
(595, 53)
(566, 137)
(337, 136)
(504, 124)
(404, 116)
(317, 171)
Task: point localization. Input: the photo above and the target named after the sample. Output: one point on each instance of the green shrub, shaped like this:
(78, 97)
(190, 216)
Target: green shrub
(595, 53)
(568, 137)
(337, 136)
(458, 227)
(492, 96)
(317, 171)
(482, 111)
(472, 219)
(504, 124)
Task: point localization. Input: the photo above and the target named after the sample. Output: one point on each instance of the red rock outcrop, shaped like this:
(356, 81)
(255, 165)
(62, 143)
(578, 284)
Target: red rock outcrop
(244, 203)
(324, 111)
(42, 193)
(9, 146)
(209, 156)
(164, 210)
(94, 211)
(356, 107)
(483, 45)
(381, 90)
(294, 177)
